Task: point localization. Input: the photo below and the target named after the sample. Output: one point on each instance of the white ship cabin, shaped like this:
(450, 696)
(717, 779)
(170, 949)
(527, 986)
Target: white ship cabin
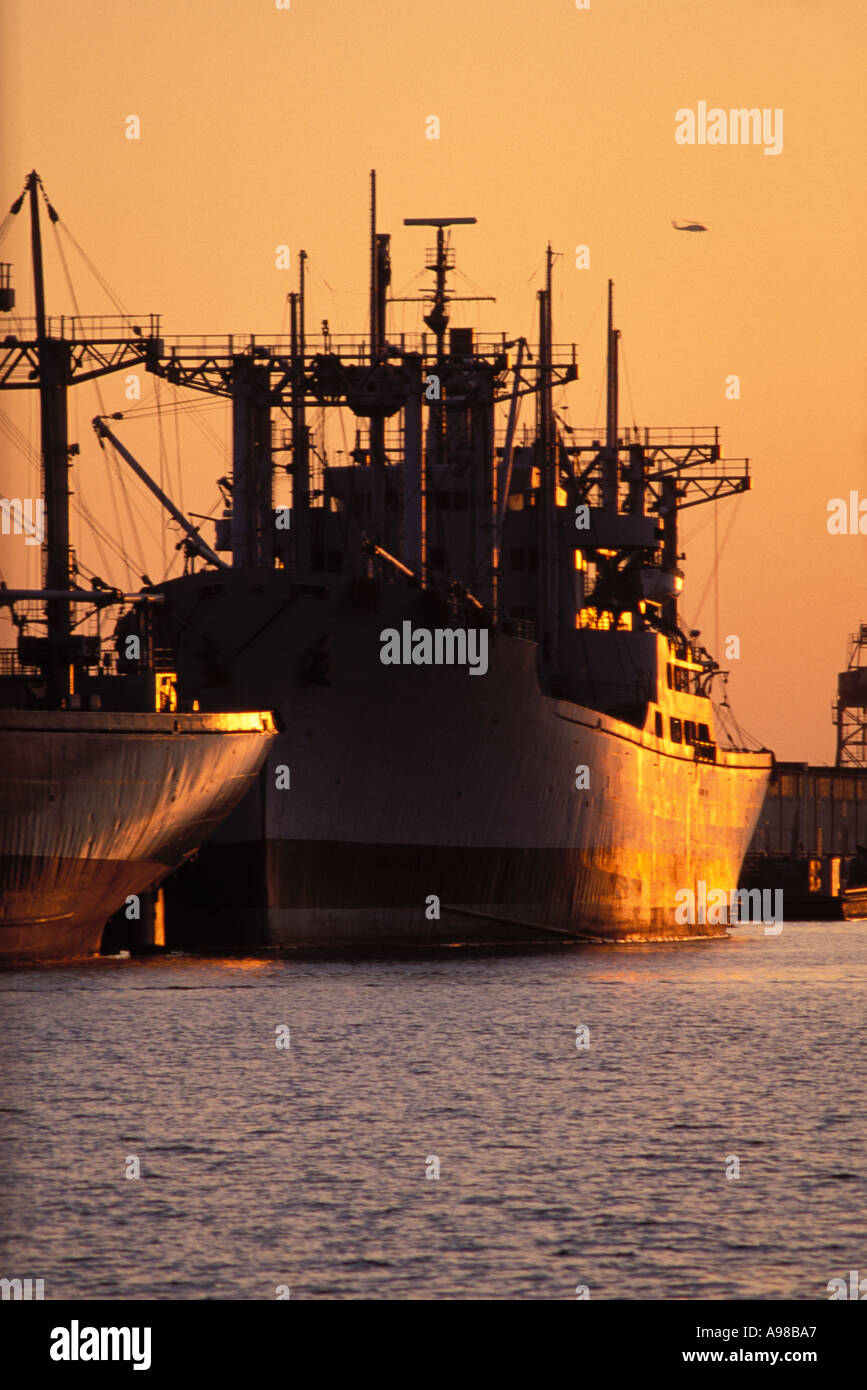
(682, 715)
(643, 677)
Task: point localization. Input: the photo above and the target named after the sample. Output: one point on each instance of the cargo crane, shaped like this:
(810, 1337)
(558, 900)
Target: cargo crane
(49, 355)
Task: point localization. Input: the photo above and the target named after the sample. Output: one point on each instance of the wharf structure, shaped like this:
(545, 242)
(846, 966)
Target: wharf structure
(812, 832)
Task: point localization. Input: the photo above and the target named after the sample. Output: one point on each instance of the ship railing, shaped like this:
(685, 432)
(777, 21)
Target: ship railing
(158, 659)
(665, 437)
(226, 345)
(103, 328)
(11, 666)
(350, 347)
(701, 468)
(30, 611)
(705, 752)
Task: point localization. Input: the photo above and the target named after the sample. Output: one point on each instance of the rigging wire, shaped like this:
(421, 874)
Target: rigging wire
(79, 504)
(74, 298)
(403, 288)
(593, 317)
(629, 385)
(311, 265)
(101, 535)
(125, 491)
(513, 283)
(209, 434)
(178, 461)
(147, 409)
(100, 279)
(713, 576)
(156, 406)
(162, 457)
(585, 337)
(716, 577)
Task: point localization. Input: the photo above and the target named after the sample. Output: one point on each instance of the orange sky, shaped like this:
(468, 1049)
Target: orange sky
(259, 126)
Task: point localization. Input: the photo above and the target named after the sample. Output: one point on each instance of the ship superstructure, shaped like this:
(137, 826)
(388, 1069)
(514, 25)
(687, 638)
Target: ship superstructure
(572, 787)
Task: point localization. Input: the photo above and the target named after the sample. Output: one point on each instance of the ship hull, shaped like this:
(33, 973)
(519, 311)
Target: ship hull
(97, 807)
(426, 805)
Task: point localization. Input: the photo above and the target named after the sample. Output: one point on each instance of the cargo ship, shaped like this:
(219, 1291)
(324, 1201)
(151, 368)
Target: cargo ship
(497, 730)
(108, 780)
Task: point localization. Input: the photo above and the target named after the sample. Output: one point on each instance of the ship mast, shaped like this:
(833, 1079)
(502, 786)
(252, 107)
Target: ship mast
(634, 551)
(380, 275)
(54, 370)
(98, 351)
(438, 318)
(374, 343)
(609, 472)
(380, 279)
(300, 432)
(547, 601)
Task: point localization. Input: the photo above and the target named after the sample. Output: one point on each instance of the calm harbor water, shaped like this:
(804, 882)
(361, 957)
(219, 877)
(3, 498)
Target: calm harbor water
(305, 1165)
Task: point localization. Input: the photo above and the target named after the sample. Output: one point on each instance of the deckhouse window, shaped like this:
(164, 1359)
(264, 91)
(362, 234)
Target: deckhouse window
(681, 679)
(676, 729)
